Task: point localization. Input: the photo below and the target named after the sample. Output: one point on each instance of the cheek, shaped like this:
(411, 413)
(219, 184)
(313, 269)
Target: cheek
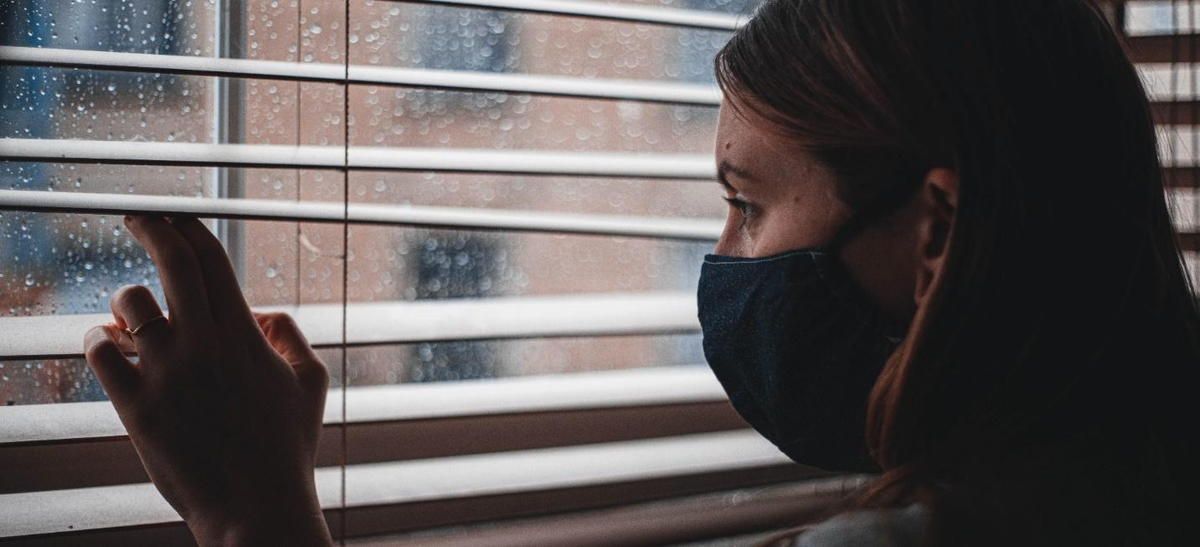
(794, 226)
(735, 239)
(775, 230)
(884, 265)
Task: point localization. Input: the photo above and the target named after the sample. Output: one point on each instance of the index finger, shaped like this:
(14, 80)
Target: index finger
(225, 297)
(179, 270)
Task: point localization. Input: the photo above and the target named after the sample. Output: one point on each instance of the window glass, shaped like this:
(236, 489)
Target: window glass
(735, 7)
(59, 263)
(384, 116)
(453, 38)
(452, 361)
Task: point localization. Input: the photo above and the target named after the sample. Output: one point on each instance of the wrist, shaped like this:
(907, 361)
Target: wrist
(300, 530)
(292, 521)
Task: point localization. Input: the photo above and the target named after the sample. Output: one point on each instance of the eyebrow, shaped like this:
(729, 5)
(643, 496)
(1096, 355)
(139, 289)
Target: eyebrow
(726, 167)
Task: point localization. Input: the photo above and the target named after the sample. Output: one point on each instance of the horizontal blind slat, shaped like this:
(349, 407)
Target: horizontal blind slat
(1182, 177)
(74, 510)
(453, 218)
(1163, 48)
(489, 474)
(1176, 112)
(384, 323)
(63, 422)
(562, 86)
(700, 19)
(458, 160)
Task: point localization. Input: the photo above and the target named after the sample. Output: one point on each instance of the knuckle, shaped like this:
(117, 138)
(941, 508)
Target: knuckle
(278, 320)
(285, 320)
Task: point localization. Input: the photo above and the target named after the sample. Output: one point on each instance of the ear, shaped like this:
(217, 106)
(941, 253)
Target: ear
(937, 203)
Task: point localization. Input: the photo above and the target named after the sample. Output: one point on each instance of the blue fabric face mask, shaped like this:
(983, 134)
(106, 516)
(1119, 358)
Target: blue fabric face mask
(797, 347)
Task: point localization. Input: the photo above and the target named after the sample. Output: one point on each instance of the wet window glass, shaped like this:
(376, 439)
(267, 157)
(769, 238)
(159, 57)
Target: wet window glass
(68, 264)
(429, 36)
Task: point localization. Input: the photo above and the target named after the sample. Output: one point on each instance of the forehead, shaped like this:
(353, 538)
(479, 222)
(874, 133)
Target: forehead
(742, 141)
(732, 128)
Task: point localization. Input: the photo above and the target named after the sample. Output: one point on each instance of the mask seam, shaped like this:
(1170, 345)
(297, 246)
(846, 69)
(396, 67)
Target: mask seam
(740, 261)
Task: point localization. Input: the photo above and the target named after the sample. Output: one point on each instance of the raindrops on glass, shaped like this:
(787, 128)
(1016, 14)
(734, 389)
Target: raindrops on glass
(71, 263)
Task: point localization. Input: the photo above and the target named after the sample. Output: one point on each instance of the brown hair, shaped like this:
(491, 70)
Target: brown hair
(1042, 393)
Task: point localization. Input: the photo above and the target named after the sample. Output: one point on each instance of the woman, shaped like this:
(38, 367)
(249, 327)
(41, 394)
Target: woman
(947, 228)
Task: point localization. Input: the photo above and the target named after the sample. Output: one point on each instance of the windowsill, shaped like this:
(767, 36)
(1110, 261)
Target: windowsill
(84, 445)
(423, 455)
(31, 424)
(400, 489)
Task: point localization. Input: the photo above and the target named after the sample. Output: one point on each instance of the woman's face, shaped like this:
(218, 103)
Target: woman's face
(782, 199)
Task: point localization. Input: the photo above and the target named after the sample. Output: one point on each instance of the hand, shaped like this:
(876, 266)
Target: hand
(223, 406)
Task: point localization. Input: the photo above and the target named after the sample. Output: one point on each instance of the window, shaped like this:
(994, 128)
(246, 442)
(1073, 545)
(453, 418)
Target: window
(459, 39)
(462, 266)
(525, 189)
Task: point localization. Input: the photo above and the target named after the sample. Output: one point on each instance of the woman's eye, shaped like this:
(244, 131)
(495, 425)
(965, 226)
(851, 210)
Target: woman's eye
(742, 206)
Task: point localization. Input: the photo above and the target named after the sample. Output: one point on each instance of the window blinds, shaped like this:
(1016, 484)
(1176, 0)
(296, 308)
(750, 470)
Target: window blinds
(487, 449)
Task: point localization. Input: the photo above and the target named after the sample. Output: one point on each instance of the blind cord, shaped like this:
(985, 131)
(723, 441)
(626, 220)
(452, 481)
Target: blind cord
(299, 138)
(345, 254)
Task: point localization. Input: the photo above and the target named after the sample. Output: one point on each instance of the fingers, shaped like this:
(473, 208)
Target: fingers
(179, 269)
(225, 298)
(285, 337)
(134, 307)
(288, 341)
(118, 376)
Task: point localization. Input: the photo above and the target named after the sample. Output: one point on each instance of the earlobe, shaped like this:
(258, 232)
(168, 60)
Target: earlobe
(938, 205)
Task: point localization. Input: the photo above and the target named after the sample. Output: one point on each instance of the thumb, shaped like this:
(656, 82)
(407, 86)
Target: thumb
(118, 376)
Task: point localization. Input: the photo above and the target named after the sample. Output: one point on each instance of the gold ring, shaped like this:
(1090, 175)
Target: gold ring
(133, 332)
